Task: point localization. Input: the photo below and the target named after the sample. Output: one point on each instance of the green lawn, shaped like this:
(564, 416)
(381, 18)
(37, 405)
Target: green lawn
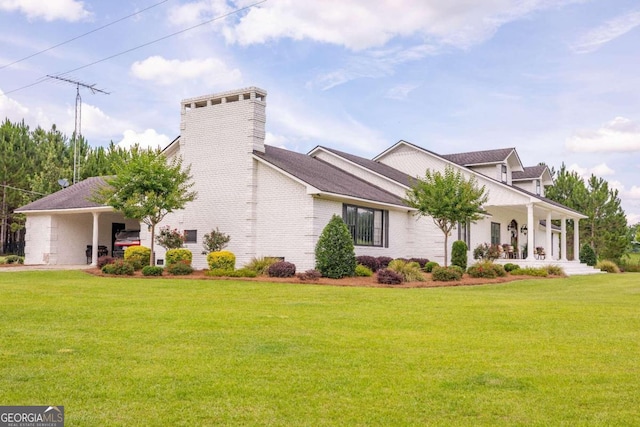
(136, 352)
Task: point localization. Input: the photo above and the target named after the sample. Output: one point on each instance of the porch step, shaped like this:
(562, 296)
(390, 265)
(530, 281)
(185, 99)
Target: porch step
(571, 268)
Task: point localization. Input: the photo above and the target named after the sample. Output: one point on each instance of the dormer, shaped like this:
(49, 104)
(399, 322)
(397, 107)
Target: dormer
(533, 179)
(498, 164)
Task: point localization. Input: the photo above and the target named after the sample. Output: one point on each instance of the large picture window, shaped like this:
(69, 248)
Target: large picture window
(368, 227)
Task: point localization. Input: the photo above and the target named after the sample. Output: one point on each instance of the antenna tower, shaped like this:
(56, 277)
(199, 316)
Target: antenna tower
(77, 132)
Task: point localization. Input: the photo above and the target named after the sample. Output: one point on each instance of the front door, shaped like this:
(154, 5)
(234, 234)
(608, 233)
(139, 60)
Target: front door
(115, 228)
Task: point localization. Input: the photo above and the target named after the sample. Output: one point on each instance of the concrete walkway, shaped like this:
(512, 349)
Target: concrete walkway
(7, 269)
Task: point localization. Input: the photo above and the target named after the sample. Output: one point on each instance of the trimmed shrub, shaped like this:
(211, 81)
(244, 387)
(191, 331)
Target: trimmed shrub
(214, 241)
(104, 260)
(428, 267)
(410, 271)
(445, 274)
(483, 270)
(261, 265)
(587, 255)
(119, 267)
(178, 255)
(224, 260)
(388, 277)
(335, 253)
(368, 261)
(137, 256)
(282, 269)
(309, 275)
(180, 268)
(608, 266)
(554, 270)
(421, 261)
(152, 270)
(509, 267)
(363, 271)
(529, 271)
(14, 259)
(459, 254)
(383, 261)
(458, 269)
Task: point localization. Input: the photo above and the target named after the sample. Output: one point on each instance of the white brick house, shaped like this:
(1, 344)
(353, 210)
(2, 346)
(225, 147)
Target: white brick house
(275, 202)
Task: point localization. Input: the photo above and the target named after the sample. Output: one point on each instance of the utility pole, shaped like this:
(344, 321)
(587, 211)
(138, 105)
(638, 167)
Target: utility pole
(77, 132)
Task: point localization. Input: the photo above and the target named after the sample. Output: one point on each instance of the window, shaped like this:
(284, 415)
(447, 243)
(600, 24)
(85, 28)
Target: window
(538, 187)
(495, 233)
(504, 173)
(368, 227)
(191, 236)
(464, 232)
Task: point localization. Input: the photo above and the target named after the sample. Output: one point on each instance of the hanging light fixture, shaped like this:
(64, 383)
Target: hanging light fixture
(524, 229)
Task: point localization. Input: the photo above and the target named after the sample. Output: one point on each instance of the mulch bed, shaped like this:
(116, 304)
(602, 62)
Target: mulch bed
(369, 282)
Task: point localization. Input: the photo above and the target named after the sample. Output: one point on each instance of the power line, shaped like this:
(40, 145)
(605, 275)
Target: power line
(23, 190)
(81, 35)
(42, 79)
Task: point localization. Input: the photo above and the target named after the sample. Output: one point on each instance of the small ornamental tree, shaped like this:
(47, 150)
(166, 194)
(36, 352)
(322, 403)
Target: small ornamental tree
(448, 198)
(335, 253)
(170, 239)
(214, 241)
(459, 254)
(588, 255)
(146, 188)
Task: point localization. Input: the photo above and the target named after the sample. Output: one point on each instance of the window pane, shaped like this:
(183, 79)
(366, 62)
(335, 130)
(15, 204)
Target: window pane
(366, 225)
(377, 228)
(191, 236)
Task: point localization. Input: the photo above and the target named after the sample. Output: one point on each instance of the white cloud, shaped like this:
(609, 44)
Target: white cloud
(633, 193)
(169, 71)
(600, 170)
(633, 218)
(607, 32)
(48, 10)
(364, 24)
(620, 134)
(147, 139)
(16, 112)
(401, 91)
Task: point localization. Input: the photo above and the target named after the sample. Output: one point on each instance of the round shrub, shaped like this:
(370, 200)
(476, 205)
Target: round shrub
(445, 274)
(428, 267)
(282, 269)
(608, 266)
(177, 255)
(383, 261)
(310, 275)
(104, 260)
(458, 269)
(555, 270)
(509, 267)
(587, 255)
(335, 253)
(152, 270)
(486, 270)
(138, 256)
(221, 259)
(459, 254)
(421, 261)
(388, 277)
(368, 261)
(119, 267)
(180, 268)
(363, 271)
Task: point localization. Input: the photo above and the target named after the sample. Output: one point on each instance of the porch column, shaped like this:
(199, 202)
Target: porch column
(576, 239)
(94, 242)
(547, 246)
(531, 231)
(563, 234)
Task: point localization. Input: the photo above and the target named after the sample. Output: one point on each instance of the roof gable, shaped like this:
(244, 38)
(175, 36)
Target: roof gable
(77, 196)
(325, 177)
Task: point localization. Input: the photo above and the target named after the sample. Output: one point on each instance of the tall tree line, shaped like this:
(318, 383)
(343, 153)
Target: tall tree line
(606, 228)
(33, 161)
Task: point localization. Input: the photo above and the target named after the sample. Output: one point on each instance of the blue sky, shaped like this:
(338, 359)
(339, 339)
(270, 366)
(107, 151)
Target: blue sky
(557, 79)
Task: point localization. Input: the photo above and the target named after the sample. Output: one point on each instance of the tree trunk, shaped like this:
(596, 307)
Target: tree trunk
(446, 241)
(152, 258)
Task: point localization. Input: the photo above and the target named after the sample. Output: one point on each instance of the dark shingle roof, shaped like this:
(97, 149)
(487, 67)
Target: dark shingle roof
(529, 172)
(479, 157)
(325, 177)
(73, 197)
(376, 167)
